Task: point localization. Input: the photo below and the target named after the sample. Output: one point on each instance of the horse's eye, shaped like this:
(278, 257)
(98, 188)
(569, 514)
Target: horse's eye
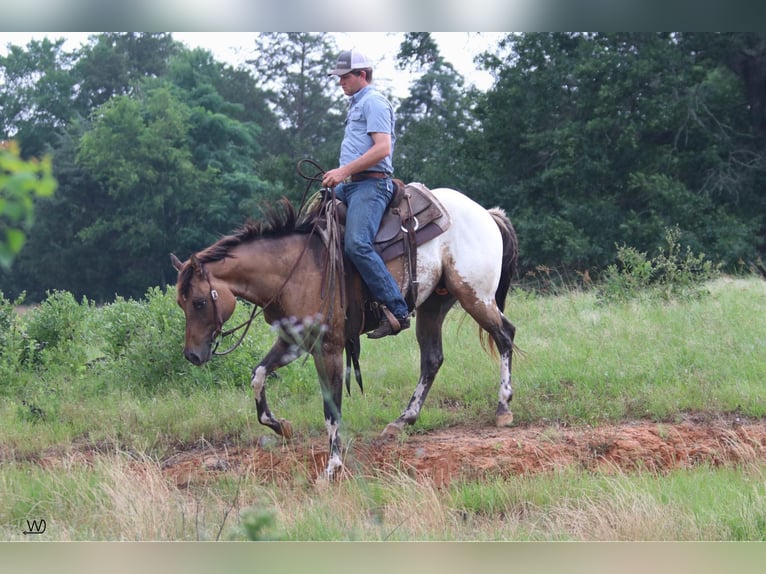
(199, 304)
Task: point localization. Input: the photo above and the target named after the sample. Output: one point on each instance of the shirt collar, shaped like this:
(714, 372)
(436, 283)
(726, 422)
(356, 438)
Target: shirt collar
(358, 96)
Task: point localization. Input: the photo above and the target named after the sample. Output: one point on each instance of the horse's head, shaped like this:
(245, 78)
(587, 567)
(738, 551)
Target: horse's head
(207, 304)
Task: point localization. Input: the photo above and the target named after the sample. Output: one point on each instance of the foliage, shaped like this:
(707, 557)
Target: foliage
(257, 524)
(592, 140)
(435, 120)
(670, 274)
(58, 328)
(291, 69)
(20, 182)
(13, 341)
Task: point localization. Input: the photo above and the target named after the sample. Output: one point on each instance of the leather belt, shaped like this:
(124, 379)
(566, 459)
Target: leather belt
(362, 175)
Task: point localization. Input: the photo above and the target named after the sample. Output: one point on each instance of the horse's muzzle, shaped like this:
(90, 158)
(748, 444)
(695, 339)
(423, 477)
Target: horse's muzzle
(196, 359)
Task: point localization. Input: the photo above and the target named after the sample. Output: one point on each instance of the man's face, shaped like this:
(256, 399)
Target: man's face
(351, 83)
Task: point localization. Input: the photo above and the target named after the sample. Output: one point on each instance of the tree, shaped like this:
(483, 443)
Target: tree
(598, 139)
(292, 70)
(148, 187)
(20, 182)
(166, 163)
(36, 95)
(115, 64)
(434, 121)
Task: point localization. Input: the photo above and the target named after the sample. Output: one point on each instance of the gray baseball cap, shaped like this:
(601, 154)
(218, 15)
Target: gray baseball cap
(350, 60)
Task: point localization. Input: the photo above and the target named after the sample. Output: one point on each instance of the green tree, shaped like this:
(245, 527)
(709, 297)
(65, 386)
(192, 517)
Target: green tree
(226, 131)
(169, 162)
(20, 182)
(291, 68)
(36, 93)
(149, 191)
(116, 64)
(598, 139)
(434, 121)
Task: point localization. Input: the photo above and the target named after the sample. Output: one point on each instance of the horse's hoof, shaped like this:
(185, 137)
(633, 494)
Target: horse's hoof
(392, 429)
(504, 420)
(287, 429)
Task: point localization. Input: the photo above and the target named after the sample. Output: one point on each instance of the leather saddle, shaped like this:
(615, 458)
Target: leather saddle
(412, 207)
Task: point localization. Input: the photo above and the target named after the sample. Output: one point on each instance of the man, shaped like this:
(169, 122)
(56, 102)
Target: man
(363, 182)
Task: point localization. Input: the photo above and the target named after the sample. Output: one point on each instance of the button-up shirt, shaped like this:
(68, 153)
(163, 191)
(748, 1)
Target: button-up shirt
(369, 112)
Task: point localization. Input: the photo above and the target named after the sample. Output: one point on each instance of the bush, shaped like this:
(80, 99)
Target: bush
(670, 274)
(14, 343)
(144, 343)
(57, 327)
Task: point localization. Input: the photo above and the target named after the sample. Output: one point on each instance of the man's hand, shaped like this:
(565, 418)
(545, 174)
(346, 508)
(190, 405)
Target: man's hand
(334, 177)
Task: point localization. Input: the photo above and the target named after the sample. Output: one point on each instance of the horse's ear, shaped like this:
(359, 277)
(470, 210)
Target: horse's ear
(176, 262)
(195, 264)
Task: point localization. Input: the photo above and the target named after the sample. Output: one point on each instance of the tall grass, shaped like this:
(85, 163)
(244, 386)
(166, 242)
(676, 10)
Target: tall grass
(112, 379)
(119, 496)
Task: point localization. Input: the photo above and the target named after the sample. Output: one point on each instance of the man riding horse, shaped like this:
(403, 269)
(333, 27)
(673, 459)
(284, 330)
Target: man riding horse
(363, 182)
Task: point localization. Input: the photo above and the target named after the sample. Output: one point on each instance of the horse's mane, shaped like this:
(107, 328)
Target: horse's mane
(278, 220)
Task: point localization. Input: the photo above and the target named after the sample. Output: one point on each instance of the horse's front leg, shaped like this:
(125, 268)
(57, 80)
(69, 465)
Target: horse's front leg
(280, 354)
(329, 365)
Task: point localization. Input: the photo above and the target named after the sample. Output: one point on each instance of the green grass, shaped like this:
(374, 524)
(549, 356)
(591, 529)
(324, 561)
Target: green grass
(582, 362)
(132, 398)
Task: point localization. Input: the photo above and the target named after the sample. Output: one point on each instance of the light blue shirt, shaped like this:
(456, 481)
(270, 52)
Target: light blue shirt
(369, 112)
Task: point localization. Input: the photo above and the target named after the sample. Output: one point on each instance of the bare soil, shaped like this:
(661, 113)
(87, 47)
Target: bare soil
(464, 452)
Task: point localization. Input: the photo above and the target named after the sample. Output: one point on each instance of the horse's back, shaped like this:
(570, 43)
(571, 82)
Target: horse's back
(470, 251)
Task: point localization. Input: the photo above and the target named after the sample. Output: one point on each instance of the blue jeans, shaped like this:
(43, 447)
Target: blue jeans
(366, 202)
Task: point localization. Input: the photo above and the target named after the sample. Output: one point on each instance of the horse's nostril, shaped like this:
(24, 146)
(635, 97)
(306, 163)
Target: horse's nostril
(192, 357)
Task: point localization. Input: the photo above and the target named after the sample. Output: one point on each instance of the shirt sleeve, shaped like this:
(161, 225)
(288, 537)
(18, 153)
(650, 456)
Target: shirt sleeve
(379, 114)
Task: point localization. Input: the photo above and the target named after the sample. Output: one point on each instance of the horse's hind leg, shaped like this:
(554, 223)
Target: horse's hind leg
(491, 319)
(487, 314)
(280, 354)
(503, 338)
(428, 329)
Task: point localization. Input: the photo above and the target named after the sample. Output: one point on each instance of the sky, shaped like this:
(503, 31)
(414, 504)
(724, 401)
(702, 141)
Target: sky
(458, 48)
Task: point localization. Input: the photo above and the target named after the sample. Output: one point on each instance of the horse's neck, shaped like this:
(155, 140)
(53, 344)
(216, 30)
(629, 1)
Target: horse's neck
(257, 271)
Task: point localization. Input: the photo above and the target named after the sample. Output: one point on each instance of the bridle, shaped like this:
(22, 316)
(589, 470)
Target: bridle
(218, 333)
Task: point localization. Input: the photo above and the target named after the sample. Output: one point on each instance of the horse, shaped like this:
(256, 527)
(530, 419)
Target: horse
(280, 267)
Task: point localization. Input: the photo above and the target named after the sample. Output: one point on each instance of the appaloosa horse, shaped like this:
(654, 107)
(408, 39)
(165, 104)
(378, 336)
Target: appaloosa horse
(280, 266)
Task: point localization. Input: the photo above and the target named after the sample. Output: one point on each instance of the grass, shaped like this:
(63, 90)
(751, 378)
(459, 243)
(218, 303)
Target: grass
(584, 361)
(117, 496)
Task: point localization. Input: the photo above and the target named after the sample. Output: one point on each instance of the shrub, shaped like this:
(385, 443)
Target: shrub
(672, 273)
(57, 327)
(14, 343)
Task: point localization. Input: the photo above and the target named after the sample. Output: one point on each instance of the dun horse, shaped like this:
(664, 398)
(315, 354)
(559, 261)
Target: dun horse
(281, 268)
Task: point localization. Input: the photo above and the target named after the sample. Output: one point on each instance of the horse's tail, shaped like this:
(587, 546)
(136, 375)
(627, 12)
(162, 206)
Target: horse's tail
(510, 254)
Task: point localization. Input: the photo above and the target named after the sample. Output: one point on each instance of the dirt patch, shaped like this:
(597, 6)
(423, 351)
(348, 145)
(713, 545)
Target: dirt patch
(445, 455)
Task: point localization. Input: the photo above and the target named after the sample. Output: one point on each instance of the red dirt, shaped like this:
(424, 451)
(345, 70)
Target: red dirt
(444, 455)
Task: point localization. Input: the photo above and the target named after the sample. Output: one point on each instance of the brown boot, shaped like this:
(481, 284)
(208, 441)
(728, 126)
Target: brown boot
(387, 328)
